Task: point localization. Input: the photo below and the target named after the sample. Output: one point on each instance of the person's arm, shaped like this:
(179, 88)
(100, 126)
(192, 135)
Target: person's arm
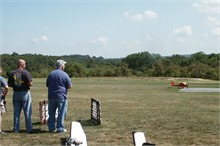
(69, 87)
(5, 91)
(69, 82)
(30, 84)
(47, 82)
(10, 81)
(29, 79)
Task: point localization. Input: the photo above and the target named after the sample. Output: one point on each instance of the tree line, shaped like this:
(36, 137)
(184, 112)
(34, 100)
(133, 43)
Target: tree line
(143, 64)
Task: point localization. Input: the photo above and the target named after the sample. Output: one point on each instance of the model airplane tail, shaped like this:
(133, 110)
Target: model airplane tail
(172, 84)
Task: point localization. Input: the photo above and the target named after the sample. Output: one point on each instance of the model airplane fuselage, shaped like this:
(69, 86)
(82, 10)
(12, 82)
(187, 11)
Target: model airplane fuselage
(181, 85)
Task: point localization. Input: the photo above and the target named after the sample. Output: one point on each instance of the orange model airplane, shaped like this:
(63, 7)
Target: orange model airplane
(181, 85)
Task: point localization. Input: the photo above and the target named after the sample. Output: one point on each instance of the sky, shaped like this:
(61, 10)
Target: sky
(109, 28)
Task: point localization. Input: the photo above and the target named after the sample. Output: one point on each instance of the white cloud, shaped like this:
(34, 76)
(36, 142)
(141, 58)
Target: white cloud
(42, 38)
(216, 31)
(35, 40)
(183, 31)
(71, 44)
(180, 40)
(101, 41)
(137, 42)
(207, 6)
(211, 7)
(148, 37)
(212, 21)
(138, 17)
(205, 35)
(126, 14)
(149, 14)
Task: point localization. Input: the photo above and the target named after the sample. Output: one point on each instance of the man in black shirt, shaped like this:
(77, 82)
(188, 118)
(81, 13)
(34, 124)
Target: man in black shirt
(20, 80)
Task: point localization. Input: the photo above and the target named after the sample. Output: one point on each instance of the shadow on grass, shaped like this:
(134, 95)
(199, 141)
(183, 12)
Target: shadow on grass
(35, 131)
(62, 141)
(87, 122)
(37, 123)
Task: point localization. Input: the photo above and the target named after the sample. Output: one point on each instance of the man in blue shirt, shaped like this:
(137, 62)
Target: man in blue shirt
(3, 94)
(58, 83)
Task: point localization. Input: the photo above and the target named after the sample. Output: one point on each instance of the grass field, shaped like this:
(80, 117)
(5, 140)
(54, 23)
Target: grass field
(166, 116)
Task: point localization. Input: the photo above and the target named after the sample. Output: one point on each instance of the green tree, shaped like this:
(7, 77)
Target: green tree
(139, 61)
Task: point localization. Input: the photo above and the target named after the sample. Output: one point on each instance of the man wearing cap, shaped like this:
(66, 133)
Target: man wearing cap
(58, 83)
(21, 81)
(3, 94)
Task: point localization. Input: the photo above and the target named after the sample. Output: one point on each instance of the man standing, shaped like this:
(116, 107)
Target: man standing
(3, 94)
(20, 80)
(58, 83)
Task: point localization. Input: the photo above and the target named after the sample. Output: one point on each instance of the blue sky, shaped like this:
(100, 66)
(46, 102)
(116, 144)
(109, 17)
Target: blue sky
(109, 28)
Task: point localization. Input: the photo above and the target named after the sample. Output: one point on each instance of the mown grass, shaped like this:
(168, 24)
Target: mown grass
(166, 116)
